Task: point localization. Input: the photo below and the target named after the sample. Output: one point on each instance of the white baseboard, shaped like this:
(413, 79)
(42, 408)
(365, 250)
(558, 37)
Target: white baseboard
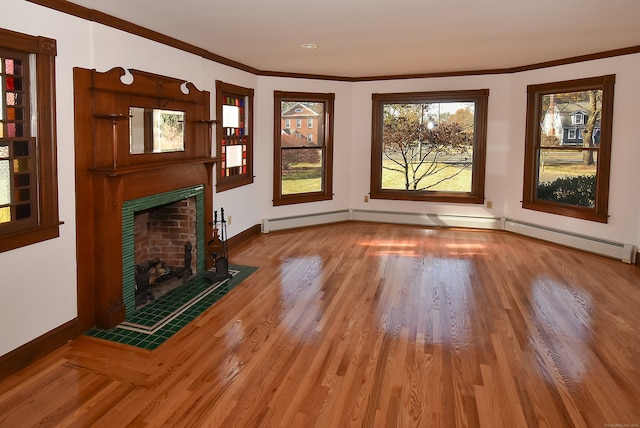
(616, 250)
(282, 223)
(423, 219)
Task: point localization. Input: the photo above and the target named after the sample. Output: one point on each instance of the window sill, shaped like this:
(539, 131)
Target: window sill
(463, 198)
(22, 238)
(567, 211)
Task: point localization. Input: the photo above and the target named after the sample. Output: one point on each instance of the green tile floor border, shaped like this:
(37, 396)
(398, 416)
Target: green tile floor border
(156, 322)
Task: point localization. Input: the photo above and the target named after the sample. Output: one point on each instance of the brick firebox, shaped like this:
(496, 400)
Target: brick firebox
(162, 232)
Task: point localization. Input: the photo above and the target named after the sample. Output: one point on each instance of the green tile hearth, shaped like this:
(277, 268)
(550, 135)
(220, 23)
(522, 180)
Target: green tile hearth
(156, 322)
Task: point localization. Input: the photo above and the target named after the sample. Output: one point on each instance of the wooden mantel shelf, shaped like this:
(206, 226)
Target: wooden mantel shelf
(108, 175)
(133, 169)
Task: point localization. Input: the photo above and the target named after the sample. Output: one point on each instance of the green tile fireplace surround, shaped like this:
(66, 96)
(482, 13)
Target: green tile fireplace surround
(129, 209)
(150, 325)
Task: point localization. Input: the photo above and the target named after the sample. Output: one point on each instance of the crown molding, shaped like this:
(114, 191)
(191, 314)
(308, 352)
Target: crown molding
(120, 24)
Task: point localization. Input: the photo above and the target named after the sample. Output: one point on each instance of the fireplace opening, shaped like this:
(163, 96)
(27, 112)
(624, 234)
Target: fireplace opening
(164, 249)
(159, 227)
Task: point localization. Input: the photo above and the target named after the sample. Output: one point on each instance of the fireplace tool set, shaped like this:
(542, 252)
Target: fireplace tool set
(218, 248)
(150, 273)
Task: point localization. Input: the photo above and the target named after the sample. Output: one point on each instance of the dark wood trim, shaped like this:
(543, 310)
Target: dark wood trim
(44, 220)
(476, 195)
(107, 175)
(223, 90)
(326, 194)
(599, 212)
(307, 76)
(244, 237)
(28, 353)
(120, 24)
(509, 70)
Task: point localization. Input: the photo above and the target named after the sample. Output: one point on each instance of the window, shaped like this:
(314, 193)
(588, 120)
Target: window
(234, 136)
(303, 164)
(310, 123)
(28, 178)
(578, 118)
(429, 146)
(571, 134)
(287, 123)
(562, 177)
(298, 123)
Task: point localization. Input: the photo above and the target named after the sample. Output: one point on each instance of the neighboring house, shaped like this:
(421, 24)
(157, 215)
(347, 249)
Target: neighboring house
(293, 133)
(301, 120)
(567, 122)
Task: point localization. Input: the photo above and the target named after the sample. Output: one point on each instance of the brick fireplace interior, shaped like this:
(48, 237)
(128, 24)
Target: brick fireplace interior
(162, 232)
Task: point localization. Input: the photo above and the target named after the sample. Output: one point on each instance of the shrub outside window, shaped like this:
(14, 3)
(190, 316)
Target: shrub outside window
(568, 147)
(303, 159)
(429, 146)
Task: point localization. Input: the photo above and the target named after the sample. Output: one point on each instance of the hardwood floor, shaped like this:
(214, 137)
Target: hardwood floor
(369, 325)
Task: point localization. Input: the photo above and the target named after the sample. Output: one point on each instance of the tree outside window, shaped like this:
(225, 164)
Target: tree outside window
(303, 159)
(429, 146)
(568, 146)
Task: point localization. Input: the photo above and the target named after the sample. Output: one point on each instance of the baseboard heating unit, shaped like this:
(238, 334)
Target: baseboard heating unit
(274, 224)
(423, 219)
(615, 250)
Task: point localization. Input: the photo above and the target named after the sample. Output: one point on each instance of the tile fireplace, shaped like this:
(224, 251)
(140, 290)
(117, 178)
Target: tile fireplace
(114, 180)
(157, 227)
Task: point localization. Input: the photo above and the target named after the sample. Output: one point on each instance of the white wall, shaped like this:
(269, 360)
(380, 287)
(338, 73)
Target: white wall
(625, 150)
(343, 139)
(38, 285)
(497, 143)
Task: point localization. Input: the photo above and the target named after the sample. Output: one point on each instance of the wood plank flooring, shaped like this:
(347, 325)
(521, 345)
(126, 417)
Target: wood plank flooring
(368, 325)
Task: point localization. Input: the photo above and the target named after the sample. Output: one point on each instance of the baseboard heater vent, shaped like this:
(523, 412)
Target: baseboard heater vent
(423, 219)
(616, 250)
(274, 224)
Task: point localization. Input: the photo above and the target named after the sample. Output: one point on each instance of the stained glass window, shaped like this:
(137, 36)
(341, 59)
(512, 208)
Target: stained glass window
(17, 179)
(28, 179)
(234, 139)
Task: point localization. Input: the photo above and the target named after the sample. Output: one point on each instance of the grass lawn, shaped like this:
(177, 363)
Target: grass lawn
(459, 183)
(302, 178)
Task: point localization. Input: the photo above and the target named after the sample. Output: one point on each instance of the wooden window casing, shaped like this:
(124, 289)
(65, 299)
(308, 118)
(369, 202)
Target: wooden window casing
(37, 143)
(536, 149)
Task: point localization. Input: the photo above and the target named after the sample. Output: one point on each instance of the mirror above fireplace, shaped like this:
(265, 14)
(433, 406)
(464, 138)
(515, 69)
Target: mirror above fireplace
(123, 154)
(153, 130)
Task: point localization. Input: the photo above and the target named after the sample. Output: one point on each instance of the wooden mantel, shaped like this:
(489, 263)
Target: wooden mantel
(107, 174)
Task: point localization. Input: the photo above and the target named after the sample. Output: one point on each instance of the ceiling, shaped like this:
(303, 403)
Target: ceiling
(365, 38)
